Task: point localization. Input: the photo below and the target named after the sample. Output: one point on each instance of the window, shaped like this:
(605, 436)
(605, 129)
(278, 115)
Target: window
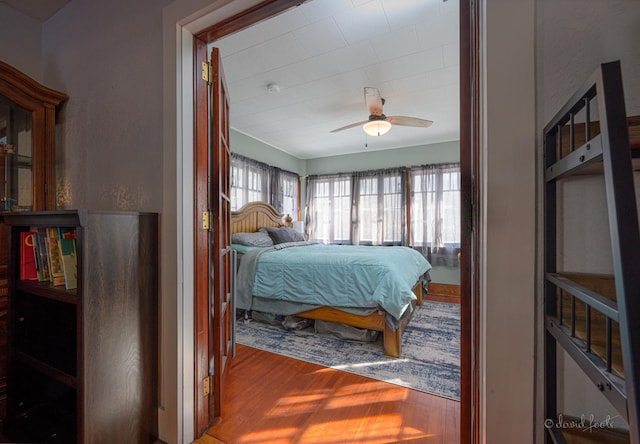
(370, 208)
(435, 212)
(329, 211)
(256, 181)
(287, 192)
(249, 181)
(359, 208)
(379, 203)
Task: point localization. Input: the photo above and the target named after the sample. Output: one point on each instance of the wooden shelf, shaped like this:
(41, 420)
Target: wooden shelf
(96, 345)
(604, 285)
(47, 369)
(595, 166)
(46, 290)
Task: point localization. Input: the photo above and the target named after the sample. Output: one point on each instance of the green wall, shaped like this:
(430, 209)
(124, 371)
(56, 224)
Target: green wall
(249, 147)
(416, 155)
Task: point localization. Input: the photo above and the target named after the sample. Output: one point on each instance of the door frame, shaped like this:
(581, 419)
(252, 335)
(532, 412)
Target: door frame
(204, 415)
(470, 191)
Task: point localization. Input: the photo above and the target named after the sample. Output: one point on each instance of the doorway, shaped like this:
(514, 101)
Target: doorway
(467, 194)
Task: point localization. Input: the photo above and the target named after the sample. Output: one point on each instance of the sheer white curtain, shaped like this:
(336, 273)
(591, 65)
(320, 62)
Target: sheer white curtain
(249, 181)
(284, 192)
(435, 212)
(379, 207)
(252, 181)
(367, 208)
(329, 208)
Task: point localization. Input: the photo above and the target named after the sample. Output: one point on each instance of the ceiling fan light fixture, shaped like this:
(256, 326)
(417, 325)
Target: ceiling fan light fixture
(376, 127)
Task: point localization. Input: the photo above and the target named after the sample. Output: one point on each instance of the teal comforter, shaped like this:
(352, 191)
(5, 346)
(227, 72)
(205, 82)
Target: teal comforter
(339, 276)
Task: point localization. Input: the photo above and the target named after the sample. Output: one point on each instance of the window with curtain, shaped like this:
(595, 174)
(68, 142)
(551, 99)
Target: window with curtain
(252, 181)
(285, 192)
(379, 207)
(435, 212)
(365, 208)
(329, 208)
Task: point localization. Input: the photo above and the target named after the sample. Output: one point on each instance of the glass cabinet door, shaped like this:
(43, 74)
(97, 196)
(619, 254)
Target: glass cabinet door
(16, 179)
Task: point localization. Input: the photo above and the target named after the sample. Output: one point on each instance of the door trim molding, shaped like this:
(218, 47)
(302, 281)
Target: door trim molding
(470, 205)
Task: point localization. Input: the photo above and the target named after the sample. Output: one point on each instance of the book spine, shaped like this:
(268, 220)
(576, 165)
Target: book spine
(28, 269)
(67, 245)
(41, 241)
(55, 259)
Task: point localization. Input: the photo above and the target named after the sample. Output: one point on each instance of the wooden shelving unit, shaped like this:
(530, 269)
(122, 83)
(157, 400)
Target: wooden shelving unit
(82, 363)
(594, 318)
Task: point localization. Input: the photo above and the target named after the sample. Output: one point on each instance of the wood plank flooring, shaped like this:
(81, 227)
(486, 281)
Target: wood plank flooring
(278, 400)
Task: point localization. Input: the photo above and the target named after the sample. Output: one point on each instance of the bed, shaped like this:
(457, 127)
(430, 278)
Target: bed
(362, 311)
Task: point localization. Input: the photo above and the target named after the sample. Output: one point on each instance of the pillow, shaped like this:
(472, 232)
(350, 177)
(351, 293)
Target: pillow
(257, 239)
(283, 234)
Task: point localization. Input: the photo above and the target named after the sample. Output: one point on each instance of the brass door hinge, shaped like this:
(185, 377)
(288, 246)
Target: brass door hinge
(206, 220)
(207, 72)
(206, 386)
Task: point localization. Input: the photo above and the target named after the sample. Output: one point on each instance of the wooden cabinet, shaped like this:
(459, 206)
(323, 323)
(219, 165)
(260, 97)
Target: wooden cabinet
(83, 362)
(27, 166)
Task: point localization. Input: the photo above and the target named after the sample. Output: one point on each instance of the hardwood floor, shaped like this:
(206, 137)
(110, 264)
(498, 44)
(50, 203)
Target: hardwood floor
(278, 400)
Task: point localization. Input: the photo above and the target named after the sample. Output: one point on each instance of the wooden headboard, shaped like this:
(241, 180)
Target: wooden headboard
(256, 215)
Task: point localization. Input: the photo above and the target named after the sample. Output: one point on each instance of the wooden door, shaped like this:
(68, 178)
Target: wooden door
(213, 256)
(222, 309)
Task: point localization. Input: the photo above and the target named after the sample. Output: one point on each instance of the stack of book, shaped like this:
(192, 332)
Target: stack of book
(49, 255)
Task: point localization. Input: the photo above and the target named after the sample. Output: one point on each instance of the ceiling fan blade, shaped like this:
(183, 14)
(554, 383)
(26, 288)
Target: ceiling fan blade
(349, 126)
(373, 100)
(409, 121)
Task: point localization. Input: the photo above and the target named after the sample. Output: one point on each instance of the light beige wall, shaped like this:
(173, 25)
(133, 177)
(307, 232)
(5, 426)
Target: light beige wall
(21, 38)
(508, 222)
(108, 58)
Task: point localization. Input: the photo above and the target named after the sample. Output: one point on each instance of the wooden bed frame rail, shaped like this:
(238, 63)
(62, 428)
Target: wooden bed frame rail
(392, 340)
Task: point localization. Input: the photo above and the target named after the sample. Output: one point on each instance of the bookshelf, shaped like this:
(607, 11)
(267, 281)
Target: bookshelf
(82, 362)
(29, 116)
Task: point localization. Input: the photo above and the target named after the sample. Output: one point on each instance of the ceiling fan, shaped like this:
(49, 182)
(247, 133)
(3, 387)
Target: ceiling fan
(378, 124)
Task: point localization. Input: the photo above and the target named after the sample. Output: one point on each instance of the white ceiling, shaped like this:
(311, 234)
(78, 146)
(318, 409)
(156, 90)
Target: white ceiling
(323, 53)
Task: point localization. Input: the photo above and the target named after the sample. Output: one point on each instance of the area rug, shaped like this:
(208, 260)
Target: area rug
(430, 360)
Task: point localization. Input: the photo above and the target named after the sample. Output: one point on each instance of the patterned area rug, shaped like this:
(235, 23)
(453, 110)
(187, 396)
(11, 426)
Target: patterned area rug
(430, 359)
